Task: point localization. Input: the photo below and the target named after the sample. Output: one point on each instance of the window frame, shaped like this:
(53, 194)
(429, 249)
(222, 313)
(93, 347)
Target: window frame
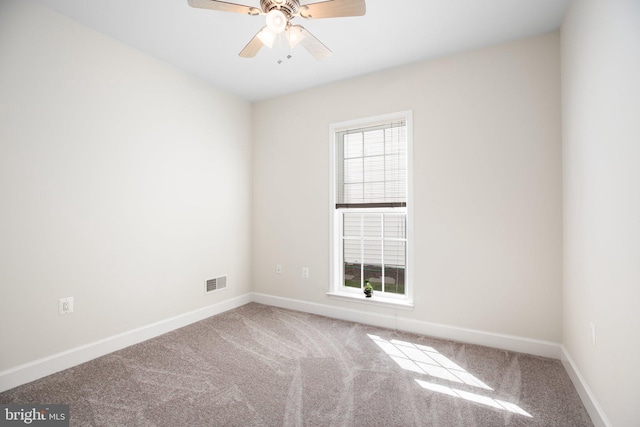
(337, 290)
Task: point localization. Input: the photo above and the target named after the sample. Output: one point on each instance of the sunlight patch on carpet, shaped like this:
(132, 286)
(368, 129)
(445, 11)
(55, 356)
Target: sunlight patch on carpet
(472, 397)
(426, 360)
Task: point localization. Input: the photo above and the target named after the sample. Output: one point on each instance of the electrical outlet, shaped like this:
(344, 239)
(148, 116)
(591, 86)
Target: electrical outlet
(65, 306)
(278, 268)
(593, 334)
(305, 272)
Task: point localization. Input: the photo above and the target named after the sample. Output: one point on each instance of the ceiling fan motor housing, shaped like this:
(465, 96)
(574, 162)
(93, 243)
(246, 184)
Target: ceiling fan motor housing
(288, 7)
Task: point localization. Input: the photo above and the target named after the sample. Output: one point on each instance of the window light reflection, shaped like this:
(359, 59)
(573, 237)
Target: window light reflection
(477, 398)
(426, 360)
(422, 359)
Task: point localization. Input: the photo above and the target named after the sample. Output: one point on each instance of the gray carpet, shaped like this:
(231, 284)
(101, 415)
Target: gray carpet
(263, 366)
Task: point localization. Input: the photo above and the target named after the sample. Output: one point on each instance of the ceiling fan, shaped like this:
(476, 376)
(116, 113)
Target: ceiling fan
(279, 14)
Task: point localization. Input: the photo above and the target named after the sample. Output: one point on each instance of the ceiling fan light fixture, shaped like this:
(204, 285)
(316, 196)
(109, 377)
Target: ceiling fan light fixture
(295, 35)
(267, 37)
(276, 21)
(279, 14)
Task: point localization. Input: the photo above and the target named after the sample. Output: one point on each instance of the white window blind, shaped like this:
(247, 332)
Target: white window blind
(382, 236)
(371, 166)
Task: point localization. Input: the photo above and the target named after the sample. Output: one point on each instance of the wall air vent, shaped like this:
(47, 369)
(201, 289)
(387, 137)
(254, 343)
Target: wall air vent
(216, 284)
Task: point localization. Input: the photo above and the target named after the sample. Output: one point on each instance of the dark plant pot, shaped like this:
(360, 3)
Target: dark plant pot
(368, 293)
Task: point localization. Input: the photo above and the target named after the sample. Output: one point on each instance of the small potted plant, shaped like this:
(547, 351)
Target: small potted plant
(368, 290)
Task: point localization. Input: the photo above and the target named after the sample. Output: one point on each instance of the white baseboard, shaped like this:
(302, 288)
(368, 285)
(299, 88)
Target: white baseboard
(57, 362)
(598, 417)
(489, 339)
(49, 365)
(46, 366)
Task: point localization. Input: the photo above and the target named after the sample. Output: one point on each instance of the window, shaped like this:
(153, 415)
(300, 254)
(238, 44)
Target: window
(370, 203)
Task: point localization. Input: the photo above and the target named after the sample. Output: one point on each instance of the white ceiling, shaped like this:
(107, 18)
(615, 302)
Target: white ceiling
(393, 32)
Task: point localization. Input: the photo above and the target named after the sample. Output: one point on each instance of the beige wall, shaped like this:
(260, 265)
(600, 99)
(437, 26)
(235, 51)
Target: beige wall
(124, 183)
(601, 132)
(487, 186)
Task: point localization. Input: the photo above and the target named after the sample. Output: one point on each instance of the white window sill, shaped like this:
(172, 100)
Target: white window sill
(374, 300)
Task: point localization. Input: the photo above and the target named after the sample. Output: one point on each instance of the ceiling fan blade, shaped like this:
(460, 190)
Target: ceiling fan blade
(333, 9)
(313, 45)
(253, 47)
(224, 6)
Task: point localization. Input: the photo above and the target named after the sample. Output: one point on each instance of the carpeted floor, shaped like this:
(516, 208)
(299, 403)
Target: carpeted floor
(264, 366)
